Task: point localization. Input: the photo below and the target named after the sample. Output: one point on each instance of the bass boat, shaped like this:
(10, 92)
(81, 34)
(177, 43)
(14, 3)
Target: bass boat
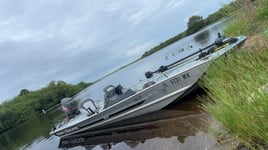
(163, 86)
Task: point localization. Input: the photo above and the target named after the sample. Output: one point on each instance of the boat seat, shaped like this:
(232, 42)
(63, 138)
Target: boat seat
(109, 91)
(88, 107)
(115, 94)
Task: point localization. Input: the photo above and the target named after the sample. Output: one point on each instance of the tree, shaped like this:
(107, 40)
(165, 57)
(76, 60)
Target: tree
(30, 103)
(24, 92)
(194, 24)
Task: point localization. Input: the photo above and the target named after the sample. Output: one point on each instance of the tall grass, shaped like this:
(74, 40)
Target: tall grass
(249, 17)
(262, 13)
(245, 18)
(238, 87)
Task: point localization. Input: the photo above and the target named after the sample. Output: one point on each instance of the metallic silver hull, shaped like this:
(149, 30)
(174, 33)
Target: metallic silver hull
(177, 82)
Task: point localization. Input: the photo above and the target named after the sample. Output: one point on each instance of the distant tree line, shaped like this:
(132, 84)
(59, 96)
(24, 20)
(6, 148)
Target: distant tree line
(31, 103)
(196, 23)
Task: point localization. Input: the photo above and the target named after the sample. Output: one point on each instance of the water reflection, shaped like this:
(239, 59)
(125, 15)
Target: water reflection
(29, 133)
(203, 37)
(170, 127)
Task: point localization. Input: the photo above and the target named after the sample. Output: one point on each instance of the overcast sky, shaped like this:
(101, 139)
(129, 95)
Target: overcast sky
(82, 40)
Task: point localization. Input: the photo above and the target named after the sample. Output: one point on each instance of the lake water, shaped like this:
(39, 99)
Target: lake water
(181, 125)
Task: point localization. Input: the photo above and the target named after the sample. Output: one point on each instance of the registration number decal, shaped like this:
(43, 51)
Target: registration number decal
(176, 80)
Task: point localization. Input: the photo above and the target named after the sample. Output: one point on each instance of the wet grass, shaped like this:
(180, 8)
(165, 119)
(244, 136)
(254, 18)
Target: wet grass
(238, 87)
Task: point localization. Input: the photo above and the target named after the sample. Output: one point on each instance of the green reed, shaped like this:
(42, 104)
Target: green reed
(237, 88)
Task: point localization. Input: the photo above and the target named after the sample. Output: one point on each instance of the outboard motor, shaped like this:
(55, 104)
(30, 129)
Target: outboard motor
(69, 107)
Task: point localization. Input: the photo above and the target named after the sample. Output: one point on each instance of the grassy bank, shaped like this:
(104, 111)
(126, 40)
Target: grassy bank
(237, 85)
(251, 18)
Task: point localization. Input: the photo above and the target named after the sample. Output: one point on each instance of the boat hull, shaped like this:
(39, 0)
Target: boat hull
(178, 82)
(148, 100)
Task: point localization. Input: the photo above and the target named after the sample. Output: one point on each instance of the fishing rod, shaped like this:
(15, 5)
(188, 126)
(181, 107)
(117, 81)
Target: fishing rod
(218, 42)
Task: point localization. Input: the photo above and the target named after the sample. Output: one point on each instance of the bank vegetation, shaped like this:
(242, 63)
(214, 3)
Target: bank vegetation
(237, 85)
(29, 104)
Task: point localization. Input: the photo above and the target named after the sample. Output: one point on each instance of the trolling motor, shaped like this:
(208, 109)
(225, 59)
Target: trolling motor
(219, 41)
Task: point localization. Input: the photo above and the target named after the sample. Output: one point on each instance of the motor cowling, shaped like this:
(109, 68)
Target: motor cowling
(69, 107)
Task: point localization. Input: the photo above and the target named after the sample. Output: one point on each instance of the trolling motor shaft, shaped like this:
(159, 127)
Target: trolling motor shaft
(218, 42)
